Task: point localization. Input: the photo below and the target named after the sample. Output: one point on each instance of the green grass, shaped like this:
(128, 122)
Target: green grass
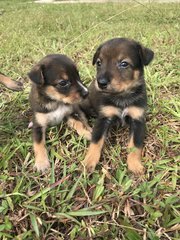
(65, 203)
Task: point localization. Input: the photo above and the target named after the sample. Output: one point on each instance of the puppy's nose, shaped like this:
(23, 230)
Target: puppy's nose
(102, 83)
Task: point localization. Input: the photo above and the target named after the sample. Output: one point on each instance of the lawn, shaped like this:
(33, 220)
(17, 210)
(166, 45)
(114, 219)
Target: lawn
(66, 203)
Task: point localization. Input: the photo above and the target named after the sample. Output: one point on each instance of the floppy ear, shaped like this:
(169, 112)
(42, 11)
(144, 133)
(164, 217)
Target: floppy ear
(36, 74)
(147, 55)
(96, 55)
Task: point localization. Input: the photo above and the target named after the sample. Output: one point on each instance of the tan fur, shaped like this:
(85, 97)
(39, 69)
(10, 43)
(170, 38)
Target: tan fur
(110, 111)
(136, 74)
(54, 94)
(41, 157)
(93, 155)
(123, 58)
(135, 112)
(64, 76)
(134, 158)
(122, 86)
(41, 119)
(80, 127)
(73, 98)
(9, 83)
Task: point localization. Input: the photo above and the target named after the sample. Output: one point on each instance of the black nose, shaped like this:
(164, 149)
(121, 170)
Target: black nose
(84, 93)
(102, 83)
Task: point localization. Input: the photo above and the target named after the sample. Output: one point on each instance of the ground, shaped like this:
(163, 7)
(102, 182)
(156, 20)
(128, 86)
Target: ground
(67, 203)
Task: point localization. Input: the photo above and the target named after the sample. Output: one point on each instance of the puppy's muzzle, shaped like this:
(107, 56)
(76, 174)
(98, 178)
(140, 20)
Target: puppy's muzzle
(84, 93)
(102, 83)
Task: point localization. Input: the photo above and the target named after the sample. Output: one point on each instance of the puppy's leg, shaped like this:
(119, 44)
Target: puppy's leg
(80, 124)
(41, 157)
(135, 145)
(98, 136)
(9, 83)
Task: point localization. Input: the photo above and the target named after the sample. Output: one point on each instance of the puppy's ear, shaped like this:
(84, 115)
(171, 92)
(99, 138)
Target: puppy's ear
(36, 75)
(96, 55)
(147, 55)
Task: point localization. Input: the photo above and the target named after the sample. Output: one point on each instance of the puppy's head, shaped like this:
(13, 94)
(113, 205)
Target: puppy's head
(57, 77)
(120, 63)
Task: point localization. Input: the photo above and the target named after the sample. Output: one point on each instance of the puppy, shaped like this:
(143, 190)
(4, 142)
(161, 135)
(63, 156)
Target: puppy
(56, 90)
(9, 83)
(119, 92)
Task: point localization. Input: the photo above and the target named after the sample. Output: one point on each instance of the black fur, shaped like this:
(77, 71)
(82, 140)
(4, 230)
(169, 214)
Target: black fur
(137, 131)
(101, 128)
(37, 134)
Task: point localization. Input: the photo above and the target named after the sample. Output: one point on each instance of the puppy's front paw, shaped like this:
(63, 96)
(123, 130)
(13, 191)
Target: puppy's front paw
(91, 161)
(42, 166)
(41, 162)
(135, 166)
(87, 133)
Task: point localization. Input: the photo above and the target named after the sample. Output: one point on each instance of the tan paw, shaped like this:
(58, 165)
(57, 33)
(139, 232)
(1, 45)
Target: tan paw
(42, 164)
(87, 134)
(90, 162)
(135, 166)
(14, 85)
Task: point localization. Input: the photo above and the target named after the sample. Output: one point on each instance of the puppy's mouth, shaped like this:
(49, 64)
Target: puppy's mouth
(76, 96)
(116, 88)
(72, 99)
(104, 89)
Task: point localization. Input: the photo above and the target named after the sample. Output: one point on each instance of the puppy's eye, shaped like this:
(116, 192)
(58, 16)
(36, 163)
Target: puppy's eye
(123, 64)
(98, 62)
(64, 83)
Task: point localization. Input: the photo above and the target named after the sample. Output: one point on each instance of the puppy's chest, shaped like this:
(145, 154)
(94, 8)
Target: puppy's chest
(57, 116)
(53, 117)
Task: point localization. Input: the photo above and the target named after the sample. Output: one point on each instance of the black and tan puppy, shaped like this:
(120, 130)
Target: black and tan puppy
(9, 83)
(119, 92)
(56, 90)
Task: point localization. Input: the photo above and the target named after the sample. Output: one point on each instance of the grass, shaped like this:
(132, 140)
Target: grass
(65, 203)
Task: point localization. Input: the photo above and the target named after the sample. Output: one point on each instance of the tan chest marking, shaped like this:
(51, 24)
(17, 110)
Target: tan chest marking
(110, 111)
(134, 112)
